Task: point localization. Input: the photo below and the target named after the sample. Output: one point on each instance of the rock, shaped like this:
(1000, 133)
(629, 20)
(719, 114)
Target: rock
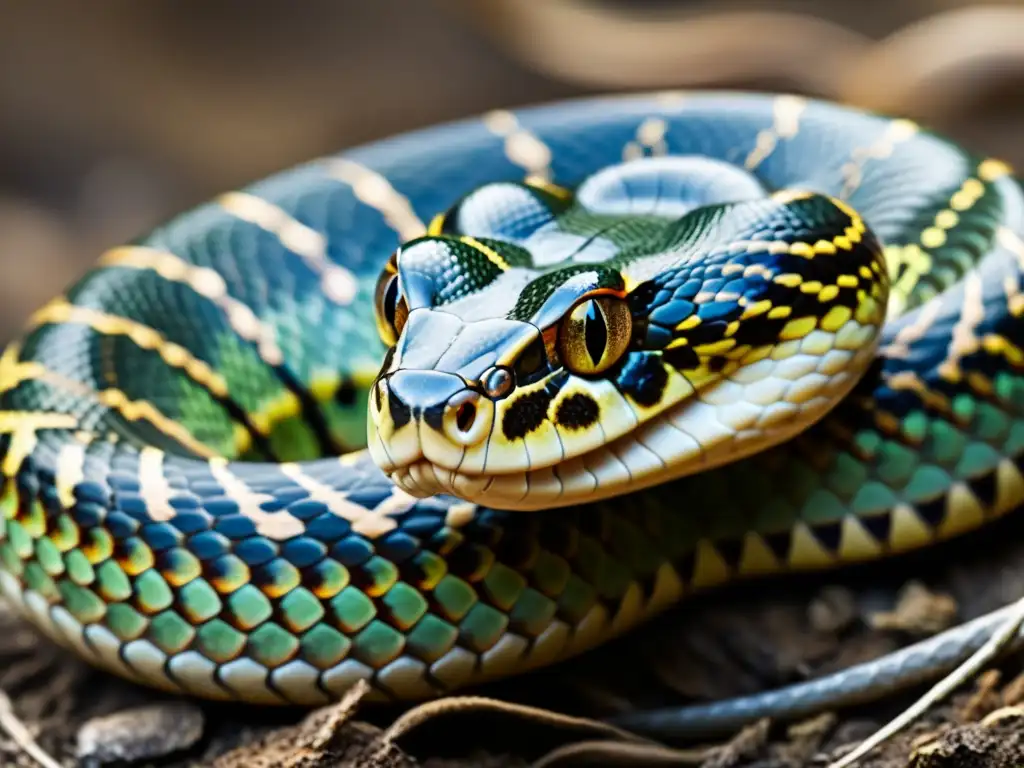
(142, 733)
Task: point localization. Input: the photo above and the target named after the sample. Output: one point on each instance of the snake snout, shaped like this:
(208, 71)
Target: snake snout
(442, 401)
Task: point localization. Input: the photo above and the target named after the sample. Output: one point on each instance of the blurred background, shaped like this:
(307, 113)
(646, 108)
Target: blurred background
(116, 115)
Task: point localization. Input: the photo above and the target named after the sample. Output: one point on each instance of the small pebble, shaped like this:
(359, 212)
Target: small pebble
(142, 733)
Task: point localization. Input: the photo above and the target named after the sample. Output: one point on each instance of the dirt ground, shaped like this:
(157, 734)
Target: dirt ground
(735, 641)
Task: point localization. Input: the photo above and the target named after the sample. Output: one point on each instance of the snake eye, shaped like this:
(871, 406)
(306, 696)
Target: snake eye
(389, 305)
(595, 334)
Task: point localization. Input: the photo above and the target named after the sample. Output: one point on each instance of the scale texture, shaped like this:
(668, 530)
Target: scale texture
(185, 497)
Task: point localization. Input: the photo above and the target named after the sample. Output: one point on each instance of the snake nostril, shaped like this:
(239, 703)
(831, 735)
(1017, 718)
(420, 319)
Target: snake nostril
(464, 416)
(467, 418)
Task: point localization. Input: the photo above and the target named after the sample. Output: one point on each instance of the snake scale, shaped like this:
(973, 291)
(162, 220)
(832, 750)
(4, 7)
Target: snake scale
(472, 400)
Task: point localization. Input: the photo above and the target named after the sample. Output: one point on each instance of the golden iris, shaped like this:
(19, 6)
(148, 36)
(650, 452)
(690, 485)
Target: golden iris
(595, 334)
(390, 308)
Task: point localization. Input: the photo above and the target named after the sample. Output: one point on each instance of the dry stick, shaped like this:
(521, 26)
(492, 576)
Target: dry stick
(20, 735)
(943, 688)
(414, 718)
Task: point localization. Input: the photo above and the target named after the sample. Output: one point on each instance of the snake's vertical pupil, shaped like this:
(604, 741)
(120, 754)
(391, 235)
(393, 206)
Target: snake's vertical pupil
(390, 303)
(595, 332)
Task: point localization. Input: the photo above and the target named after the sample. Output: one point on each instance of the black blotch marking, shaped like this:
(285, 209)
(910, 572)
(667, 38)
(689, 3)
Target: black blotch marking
(433, 415)
(648, 584)
(643, 378)
(577, 411)
(731, 551)
(362, 576)
(414, 572)
(717, 364)
(261, 576)
(707, 333)
(933, 512)
(466, 559)
(762, 331)
(828, 535)
(778, 543)
(400, 412)
(985, 488)
(685, 565)
(525, 415)
(312, 579)
(642, 297)
(681, 358)
(879, 526)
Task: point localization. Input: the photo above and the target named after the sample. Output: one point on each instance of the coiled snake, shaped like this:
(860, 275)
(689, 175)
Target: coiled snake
(613, 351)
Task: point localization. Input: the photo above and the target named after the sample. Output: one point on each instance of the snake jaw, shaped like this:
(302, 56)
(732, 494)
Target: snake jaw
(759, 405)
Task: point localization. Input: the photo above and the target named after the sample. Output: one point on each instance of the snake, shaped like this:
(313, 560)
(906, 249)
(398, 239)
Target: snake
(466, 402)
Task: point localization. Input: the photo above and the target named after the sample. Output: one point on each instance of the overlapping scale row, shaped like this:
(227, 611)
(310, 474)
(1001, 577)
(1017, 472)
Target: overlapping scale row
(179, 588)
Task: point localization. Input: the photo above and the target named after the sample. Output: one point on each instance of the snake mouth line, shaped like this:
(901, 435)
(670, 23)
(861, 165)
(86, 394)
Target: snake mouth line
(632, 462)
(668, 447)
(728, 421)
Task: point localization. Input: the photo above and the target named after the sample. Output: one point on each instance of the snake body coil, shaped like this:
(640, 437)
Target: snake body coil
(632, 348)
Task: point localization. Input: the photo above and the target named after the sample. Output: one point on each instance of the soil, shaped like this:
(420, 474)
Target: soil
(734, 641)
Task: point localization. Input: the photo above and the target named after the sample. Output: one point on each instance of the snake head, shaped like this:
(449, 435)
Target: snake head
(546, 347)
